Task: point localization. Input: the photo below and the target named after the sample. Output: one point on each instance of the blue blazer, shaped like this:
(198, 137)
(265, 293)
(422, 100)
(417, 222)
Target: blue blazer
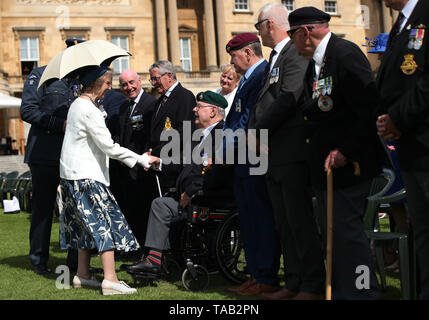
(244, 101)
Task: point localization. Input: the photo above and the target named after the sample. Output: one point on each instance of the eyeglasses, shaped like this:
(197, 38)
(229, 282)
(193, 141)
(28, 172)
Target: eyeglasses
(198, 107)
(156, 79)
(291, 32)
(258, 24)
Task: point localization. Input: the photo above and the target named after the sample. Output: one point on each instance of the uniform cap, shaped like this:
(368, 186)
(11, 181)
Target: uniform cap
(72, 41)
(212, 98)
(241, 40)
(308, 15)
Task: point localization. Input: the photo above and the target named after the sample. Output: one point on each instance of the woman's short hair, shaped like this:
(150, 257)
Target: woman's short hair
(226, 68)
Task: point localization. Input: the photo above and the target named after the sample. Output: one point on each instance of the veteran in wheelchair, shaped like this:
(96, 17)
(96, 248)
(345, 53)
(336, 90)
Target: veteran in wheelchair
(193, 179)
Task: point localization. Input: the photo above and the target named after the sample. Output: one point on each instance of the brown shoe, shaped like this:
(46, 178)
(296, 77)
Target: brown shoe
(257, 289)
(245, 285)
(281, 294)
(307, 296)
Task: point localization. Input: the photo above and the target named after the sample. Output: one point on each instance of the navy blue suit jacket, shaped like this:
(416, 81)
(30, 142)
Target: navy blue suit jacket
(244, 101)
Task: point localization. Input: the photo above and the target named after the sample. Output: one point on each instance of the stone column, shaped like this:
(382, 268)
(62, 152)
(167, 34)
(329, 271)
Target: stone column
(221, 33)
(210, 36)
(174, 34)
(161, 30)
(387, 18)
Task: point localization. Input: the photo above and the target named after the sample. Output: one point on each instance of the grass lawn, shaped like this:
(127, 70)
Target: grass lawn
(19, 282)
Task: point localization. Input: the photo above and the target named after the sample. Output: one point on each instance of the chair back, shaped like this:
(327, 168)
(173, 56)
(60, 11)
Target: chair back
(379, 187)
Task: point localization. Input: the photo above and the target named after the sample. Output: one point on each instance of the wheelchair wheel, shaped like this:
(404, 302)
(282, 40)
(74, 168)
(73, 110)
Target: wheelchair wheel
(229, 251)
(171, 270)
(197, 279)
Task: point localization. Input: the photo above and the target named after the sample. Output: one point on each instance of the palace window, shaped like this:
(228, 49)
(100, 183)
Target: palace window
(289, 4)
(241, 5)
(122, 63)
(29, 54)
(331, 7)
(185, 54)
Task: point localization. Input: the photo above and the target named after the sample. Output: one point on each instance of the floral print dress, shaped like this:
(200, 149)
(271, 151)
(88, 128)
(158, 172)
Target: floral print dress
(90, 218)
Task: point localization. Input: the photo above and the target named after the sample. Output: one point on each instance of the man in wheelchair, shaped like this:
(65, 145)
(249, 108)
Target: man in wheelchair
(209, 115)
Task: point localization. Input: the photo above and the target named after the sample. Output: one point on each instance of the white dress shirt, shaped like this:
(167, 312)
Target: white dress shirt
(279, 47)
(407, 11)
(88, 145)
(319, 54)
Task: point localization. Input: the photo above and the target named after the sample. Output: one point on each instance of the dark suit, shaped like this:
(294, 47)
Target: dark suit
(288, 174)
(405, 98)
(46, 110)
(349, 127)
(171, 115)
(261, 244)
(190, 180)
(134, 187)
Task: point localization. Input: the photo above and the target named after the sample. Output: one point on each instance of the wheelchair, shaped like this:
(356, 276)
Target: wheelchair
(205, 240)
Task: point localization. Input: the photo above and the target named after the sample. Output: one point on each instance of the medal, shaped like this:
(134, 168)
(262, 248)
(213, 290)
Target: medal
(167, 125)
(409, 66)
(325, 103)
(419, 40)
(274, 77)
(238, 105)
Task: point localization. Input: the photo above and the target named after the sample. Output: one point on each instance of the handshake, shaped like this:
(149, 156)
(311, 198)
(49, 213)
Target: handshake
(147, 161)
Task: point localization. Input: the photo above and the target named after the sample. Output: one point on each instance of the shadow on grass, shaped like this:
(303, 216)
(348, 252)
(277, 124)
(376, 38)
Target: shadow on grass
(23, 263)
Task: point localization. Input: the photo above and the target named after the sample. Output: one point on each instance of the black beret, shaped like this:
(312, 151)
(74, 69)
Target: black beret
(308, 15)
(213, 98)
(241, 40)
(72, 41)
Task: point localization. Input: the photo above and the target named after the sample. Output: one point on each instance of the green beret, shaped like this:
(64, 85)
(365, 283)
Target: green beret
(213, 98)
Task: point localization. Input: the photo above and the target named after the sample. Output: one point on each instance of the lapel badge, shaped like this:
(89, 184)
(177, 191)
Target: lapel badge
(167, 125)
(409, 66)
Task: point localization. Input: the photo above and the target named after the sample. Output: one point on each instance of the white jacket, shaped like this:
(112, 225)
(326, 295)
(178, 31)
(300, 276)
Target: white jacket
(88, 145)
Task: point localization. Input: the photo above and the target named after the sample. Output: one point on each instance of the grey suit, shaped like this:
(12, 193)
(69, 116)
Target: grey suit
(288, 175)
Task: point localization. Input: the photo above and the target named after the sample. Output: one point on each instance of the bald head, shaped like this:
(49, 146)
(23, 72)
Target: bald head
(131, 83)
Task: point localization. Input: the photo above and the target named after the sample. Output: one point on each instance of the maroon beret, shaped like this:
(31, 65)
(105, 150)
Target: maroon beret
(241, 40)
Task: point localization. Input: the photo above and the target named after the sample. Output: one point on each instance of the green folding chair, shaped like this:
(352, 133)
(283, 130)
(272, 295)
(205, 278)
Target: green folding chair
(381, 239)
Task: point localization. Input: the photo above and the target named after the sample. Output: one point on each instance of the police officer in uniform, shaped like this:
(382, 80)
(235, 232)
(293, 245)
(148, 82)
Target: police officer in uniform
(46, 110)
(338, 104)
(403, 112)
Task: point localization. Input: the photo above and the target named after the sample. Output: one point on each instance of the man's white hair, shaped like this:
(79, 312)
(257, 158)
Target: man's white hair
(278, 13)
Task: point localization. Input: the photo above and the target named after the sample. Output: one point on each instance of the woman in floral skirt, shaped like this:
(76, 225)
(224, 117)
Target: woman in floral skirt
(90, 217)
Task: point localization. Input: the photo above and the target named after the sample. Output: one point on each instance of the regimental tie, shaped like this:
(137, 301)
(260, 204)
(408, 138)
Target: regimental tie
(130, 107)
(395, 30)
(268, 67)
(161, 104)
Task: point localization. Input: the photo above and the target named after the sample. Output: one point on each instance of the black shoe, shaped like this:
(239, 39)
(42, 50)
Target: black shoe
(42, 269)
(144, 268)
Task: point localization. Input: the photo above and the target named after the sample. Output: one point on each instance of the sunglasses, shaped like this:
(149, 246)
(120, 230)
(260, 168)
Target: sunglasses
(258, 24)
(291, 32)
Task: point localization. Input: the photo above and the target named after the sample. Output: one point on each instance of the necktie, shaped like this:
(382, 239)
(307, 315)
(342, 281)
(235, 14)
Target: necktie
(311, 74)
(161, 104)
(268, 67)
(130, 107)
(242, 81)
(395, 30)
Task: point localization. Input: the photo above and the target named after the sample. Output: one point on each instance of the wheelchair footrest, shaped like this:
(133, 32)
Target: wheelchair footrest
(146, 275)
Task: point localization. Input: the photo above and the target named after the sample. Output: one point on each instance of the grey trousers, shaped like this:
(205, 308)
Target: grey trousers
(162, 211)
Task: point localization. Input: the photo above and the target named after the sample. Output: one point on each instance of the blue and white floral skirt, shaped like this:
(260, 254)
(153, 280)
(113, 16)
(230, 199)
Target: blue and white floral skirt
(90, 218)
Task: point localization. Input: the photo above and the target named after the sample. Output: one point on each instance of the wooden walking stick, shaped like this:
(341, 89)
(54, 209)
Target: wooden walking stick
(330, 200)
